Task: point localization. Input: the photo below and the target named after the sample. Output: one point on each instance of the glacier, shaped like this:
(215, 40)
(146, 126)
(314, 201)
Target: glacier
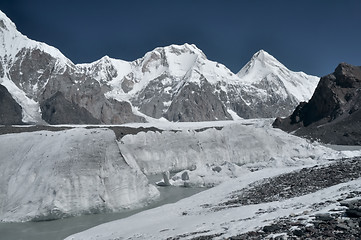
(80, 171)
(229, 156)
(238, 142)
(49, 175)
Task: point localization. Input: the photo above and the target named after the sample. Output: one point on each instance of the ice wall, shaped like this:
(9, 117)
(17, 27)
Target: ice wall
(238, 143)
(48, 175)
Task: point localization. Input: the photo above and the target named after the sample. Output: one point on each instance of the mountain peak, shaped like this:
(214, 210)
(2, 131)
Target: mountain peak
(261, 64)
(184, 48)
(5, 22)
(264, 56)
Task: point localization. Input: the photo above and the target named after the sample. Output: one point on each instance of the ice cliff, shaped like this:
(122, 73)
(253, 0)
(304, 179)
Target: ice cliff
(48, 175)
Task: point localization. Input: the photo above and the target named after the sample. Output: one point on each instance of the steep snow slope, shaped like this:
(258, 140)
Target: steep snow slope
(48, 175)
(263, 68)
(12, 43)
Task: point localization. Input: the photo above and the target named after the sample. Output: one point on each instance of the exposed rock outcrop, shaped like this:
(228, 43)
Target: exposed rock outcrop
(58, 110)
(333, 114)
(197, 103)
(10, 110)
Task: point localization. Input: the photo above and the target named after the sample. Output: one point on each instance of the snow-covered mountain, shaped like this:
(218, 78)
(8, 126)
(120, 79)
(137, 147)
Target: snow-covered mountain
(281, 85)
(176, 82)
(49, 87)
(181, 84)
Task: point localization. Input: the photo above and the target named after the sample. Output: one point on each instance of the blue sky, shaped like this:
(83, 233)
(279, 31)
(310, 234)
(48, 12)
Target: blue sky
(310, 36)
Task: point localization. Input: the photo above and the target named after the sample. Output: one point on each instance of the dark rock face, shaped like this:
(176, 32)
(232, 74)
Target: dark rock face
(119, 112)
(31, 70)
(151, 100)
(88, 94)
(333, 113)
(40, 76)
(10, 110)
(58, 110)
(195, 103)
(272, 104)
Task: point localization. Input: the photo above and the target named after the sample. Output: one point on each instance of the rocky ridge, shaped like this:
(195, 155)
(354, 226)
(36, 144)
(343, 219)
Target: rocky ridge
(333, 113)
(10, 111)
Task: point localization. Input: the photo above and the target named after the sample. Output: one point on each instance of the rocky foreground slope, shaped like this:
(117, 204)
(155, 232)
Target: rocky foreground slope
(333, 114)
(176, 82)
(265, 204)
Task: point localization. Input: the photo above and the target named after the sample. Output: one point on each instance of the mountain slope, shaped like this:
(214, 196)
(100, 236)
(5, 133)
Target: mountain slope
(33, 72)
(176, 82)
(179, 83)
(333, 113)
(280, 87)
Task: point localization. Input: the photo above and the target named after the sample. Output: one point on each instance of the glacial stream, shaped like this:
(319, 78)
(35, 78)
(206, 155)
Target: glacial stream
(62, 228)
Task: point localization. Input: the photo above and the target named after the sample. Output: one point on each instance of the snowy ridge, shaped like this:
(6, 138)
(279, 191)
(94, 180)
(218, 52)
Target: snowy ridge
(12, 42)
(175, 66)
(264, 66)
(155, 83)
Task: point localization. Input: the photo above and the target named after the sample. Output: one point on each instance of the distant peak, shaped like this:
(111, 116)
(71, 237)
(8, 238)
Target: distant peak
(106, 58)
(261, 61)
(263, 55)
(186, 47)
(5, 22)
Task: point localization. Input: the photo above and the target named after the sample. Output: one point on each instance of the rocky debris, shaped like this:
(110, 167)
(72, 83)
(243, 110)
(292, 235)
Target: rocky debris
(333, 113)
(34, 128)
(330, 225)
(119, 131)
(192, 235)
(353, 208)
(123, 131)
(10, 110)
(297, 183)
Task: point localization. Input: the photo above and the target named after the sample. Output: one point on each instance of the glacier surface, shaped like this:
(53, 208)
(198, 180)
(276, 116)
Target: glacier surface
(49, 175)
